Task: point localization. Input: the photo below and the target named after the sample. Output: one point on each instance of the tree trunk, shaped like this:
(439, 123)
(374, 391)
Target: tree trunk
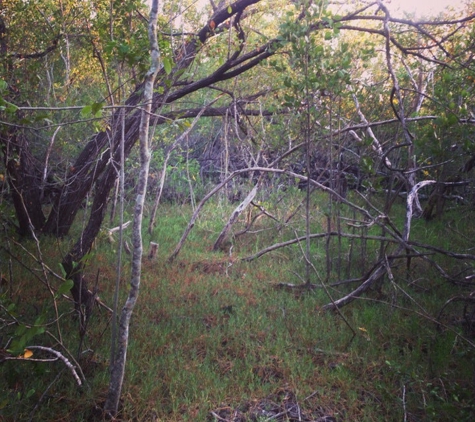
(118, 365)
(25, 180)
(94, 159)
(87, 170)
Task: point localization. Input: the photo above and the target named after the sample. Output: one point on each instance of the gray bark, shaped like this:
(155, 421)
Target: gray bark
(236, 213)
(118, 365)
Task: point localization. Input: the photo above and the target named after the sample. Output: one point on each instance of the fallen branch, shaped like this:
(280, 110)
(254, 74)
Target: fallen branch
(236, 213)
(375, 274)
(314, 236)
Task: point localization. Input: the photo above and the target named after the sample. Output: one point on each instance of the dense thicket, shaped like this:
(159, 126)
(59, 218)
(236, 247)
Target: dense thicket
(252, 95)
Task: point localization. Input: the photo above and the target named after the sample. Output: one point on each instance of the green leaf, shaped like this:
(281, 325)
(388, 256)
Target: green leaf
(230, 10)
(63, 271)
(41, 116)
(288, 98)
(25, 121)
(65, 287)
(110, 46)
(8, 107)
(167, 64)
(86, 111)
(96, 108)
(452, 119)
(3, 85)
(35, 331)
(17, 345)
(40, 319)
(20, 330)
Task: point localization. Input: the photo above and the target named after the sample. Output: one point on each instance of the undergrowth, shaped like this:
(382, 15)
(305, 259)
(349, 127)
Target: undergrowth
(214, 336)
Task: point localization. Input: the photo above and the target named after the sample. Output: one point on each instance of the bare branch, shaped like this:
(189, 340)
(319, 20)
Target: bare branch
(59, 356)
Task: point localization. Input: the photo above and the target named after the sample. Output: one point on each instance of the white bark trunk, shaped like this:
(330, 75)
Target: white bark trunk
(118, 365)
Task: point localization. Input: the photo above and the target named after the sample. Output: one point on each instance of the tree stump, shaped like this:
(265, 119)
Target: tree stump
(152, 254)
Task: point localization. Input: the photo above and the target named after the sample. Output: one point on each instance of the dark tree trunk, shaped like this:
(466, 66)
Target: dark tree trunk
(88, 168)
(24, 179)
(101, 196)
(436, 203)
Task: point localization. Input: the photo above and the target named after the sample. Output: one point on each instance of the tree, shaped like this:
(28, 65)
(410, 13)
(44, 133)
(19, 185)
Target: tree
(118, 364)
(93, 171)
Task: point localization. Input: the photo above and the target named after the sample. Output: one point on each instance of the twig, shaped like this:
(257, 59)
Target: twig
(313, 236)
(277, 415)
(404, 401)
(426, 316)
(310, 396)
(454, 299)
(120, 227)
(38, 261)
(374, 274)
(217, 416)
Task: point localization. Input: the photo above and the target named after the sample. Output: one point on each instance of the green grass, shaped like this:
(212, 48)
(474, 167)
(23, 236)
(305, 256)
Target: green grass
(210, 332)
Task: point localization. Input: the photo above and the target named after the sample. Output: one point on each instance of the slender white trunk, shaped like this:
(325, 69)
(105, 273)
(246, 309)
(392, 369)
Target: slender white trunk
(118, 365)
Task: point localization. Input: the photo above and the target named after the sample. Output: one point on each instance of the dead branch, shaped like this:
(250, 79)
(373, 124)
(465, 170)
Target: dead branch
(59, 356)
(269, 169)
(314, 236)
(375, 274)
(376, 145)
(236, 213)
(412, 199)
(450, 254)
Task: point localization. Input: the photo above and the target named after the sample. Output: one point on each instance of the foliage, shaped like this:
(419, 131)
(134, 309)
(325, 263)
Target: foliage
(350, 103)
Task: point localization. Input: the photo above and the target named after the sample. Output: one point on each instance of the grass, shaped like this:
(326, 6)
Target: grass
(214, 334)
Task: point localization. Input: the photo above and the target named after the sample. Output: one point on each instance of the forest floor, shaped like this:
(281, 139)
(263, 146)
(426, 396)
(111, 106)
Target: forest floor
(216, 338)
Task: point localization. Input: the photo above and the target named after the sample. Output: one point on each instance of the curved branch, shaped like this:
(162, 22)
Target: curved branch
(313, 236)
(59, 356)
(38, 54)
(375, 274)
